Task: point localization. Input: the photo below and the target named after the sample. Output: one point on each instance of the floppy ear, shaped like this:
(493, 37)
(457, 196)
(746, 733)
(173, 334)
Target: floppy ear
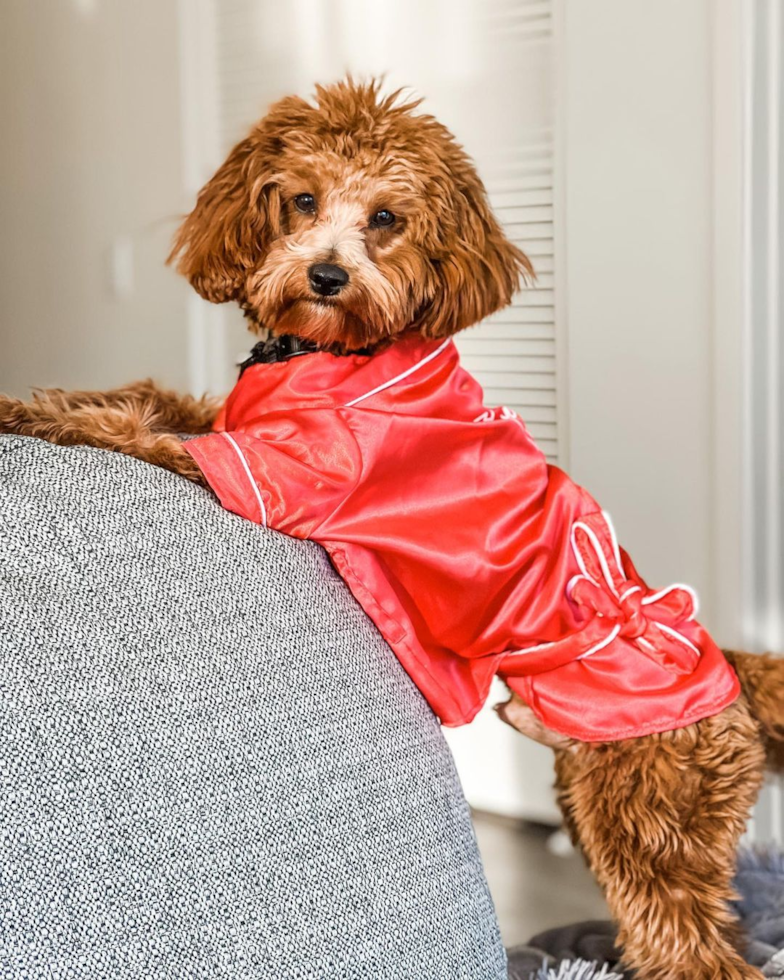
(226, 234)
(476, 269)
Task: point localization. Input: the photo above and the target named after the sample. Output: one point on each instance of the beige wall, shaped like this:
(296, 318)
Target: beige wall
(90, 156)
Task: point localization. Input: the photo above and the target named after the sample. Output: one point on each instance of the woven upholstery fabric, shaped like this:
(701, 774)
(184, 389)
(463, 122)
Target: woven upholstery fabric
(211, 765)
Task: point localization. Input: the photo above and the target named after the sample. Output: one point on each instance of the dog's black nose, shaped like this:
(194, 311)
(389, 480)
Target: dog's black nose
(327, 280)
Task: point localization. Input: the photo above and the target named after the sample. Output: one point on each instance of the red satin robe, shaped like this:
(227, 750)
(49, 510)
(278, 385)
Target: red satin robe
(471, 554)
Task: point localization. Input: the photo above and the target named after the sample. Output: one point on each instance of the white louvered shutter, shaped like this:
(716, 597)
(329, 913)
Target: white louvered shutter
(514, 353)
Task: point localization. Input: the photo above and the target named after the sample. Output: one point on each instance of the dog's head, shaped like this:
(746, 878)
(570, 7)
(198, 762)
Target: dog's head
(349, 222)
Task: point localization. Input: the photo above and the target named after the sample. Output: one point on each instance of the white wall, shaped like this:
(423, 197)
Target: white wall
(638, 116)
(90, 158)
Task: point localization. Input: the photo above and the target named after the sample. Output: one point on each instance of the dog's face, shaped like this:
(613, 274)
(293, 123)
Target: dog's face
(349, 223)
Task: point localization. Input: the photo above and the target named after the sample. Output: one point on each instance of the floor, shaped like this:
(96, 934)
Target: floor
(533, 888)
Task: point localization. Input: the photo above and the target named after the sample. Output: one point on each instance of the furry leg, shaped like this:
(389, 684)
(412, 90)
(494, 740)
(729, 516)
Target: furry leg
(126, 428)
(659, 819)
(166, 410)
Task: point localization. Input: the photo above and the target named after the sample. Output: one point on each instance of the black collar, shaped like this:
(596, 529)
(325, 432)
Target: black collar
(276, 349)
(283, 348)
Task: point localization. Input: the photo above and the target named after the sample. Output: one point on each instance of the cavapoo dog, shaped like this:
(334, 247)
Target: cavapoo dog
(355, 233)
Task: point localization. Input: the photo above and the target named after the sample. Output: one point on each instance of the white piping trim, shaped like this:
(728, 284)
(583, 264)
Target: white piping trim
(579, 558)
(522, 653)
(676, 585)
(628, 592)
(400, 377)
(238, 451)
(602, 643)
(678, 636)
(588, 653)
(657, 595)
(599, 554)
(571, 584)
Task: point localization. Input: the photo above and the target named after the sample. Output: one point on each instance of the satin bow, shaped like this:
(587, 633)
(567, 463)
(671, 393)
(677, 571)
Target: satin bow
(614, 606)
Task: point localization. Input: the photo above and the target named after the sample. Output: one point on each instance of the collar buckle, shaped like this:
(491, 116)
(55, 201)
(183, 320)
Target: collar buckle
(277, 349)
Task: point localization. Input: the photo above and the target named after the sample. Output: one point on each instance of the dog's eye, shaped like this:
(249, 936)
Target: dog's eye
(306, 203)
(382, 219)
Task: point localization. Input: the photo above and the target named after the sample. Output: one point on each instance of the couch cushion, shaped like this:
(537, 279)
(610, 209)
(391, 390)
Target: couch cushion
(211, 765)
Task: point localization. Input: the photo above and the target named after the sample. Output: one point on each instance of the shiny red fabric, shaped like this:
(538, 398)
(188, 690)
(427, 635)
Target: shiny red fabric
(471, 554)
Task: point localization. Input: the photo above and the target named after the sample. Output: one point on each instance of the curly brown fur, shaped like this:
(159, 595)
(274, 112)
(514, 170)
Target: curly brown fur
(138, 419)
(659, 819)
(443, 264)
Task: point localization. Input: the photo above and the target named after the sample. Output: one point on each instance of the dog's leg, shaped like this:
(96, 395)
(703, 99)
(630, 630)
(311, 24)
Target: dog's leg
(125, 427)
(659, 819)
(167, 411)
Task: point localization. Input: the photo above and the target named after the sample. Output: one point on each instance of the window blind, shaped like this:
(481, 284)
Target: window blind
(514, 353)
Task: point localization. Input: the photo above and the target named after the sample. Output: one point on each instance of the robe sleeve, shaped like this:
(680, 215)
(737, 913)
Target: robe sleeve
(288, 472)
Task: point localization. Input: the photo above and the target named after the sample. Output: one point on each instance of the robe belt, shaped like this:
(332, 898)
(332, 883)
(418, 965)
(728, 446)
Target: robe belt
(614, 607)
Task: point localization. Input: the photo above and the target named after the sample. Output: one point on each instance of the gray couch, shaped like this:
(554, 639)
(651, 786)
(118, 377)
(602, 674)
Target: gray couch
(211, 765)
